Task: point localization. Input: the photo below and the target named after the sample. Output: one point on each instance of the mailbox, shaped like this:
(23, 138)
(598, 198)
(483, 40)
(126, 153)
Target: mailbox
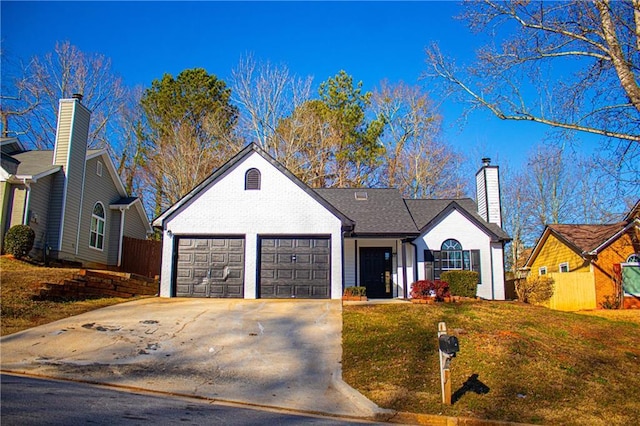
(449, 344)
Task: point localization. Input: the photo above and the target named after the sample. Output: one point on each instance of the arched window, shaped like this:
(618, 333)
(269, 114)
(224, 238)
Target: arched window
(450, 257)
(96, 239)
(451, 251)
(252, 179)
(634, 258)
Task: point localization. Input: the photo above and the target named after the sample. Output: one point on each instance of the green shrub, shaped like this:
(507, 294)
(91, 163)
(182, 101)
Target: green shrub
(19, 240)
(461, 283)
(535, 290)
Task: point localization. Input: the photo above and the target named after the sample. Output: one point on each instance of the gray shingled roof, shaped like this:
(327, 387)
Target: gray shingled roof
(124, 201)
(38, 162)
(425, 212)
(33, 163)
(383, 212)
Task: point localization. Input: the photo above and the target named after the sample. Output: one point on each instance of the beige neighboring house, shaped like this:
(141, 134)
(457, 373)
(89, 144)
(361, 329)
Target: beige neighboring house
(71, 197)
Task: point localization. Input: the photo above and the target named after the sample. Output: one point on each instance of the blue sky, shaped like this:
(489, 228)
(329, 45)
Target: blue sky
(371, 41)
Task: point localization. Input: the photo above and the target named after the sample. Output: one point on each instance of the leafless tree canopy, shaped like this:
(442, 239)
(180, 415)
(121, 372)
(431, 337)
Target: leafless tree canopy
(573, 65)
(416, 159)
(266, 93)
(43, 81)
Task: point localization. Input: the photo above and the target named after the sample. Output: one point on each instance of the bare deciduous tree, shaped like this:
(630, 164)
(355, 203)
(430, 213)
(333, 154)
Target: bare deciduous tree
(45, 80)
(266, 93)
(556, 185)
(306, 144)
(572, 65)
(415, 159)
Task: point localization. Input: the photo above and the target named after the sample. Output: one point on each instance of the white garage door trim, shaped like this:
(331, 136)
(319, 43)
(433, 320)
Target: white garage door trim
(294, 266)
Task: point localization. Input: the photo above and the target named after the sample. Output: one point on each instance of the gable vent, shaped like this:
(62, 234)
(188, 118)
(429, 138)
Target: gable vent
(252, 179)
(361, 195)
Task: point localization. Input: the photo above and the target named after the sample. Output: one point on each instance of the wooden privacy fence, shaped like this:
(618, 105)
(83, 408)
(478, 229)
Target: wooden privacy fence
(573, 291)
(142, 257)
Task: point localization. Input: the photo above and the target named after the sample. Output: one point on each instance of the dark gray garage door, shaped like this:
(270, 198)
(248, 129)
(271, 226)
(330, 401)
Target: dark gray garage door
(210, 267)
(295, 268)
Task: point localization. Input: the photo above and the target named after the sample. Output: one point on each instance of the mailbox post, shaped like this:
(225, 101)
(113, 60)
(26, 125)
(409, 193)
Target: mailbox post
(448, 347)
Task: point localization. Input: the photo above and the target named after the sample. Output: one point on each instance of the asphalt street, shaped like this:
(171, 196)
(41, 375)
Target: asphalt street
(31, 401)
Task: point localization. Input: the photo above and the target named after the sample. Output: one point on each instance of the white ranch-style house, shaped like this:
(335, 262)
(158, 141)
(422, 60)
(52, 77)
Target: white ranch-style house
(254, 230)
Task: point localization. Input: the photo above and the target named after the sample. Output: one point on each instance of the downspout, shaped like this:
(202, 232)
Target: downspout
(122, 217)
(355, 264)
(415, 266)
(394, 269)
(404, 269)
(27, 202)
(343, 284)
(492, 272)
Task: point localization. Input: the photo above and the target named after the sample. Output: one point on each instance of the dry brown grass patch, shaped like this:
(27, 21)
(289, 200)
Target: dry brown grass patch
(21, 281)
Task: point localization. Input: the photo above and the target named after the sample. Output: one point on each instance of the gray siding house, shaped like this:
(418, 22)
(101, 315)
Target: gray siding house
(71, 197)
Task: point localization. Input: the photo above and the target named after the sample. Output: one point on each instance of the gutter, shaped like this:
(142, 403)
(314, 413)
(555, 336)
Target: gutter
(415, 264)
(594, 253)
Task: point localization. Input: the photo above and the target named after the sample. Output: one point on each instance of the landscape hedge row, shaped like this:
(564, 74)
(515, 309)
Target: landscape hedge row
(461, 283)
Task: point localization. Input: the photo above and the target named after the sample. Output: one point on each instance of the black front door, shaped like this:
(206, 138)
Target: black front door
(375, 271)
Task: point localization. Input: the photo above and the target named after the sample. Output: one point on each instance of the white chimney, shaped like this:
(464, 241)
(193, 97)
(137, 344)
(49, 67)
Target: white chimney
(488, 192)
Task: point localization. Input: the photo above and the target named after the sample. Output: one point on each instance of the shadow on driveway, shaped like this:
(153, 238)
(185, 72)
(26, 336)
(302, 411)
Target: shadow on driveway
(284, 354)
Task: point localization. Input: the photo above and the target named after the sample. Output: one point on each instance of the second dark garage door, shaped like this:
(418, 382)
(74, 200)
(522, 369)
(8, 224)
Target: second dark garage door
(295, 268)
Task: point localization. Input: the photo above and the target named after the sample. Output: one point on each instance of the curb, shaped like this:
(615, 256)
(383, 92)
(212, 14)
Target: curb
(367, 408)
(370, 411)
(140, 390)
(435, 420)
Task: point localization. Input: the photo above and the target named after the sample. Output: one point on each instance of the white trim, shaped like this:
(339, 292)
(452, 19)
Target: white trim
(84, 177)
(104, 226)
(561, 265)
(66, 181)
(634, 222)
(27, 203)
(542, 268)
(108, 162)
(34, 178)
(122, 217)
(98, 168)
(629, 262)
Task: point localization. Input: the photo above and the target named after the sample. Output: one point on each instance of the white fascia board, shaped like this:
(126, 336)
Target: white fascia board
(34, 178)
(594, 252)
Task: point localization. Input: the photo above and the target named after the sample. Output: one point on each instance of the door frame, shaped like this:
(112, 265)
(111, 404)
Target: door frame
(261, 237)
(175, 248)
(389, 268)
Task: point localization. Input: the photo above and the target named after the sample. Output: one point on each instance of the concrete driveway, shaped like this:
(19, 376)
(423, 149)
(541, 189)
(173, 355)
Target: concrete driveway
(284, 354)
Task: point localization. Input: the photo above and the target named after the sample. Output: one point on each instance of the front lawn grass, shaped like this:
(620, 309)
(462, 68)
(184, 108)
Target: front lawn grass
(517, 362)
(21, 281)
